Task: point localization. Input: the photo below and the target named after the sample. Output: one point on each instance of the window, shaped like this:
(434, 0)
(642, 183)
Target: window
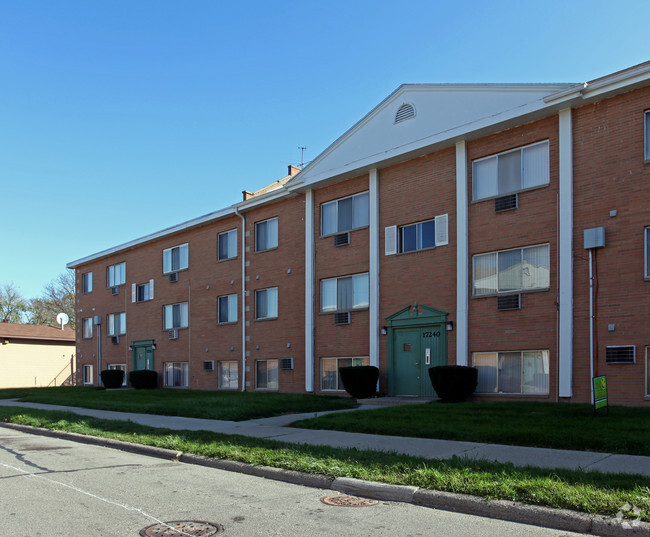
(227, 247)
(227, 306)
(115, 324)
(228, 375)
(266, 235)
(647, 252)
(176, 374)
(509, 172)
(647, 371)
(508, 271)
(646, 118)
(266, 303)
(417, 236)
(330, 377)
(344, 214)
(344, 294)
(87, 373)
(175, 316)
(87, 283)
(266, 374)
(142, 292)
(175, 259)
(116, 275)
(523, 372)
(120, 367)
(87, 328)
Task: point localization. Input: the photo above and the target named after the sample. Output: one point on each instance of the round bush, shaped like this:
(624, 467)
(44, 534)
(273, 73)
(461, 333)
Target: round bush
(143, 379)
(112, 378)
(453, 383)
(360, 381)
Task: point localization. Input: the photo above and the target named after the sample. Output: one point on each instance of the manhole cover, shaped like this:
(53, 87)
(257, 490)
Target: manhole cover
(342, 500)
(181, 527)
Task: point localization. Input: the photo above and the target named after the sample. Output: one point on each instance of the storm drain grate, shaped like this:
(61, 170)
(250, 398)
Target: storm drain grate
(181, 527)
(342, 500)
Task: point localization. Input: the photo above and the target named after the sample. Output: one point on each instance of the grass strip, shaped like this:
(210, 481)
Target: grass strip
(588, 492)
(216, 405)
(549, 425)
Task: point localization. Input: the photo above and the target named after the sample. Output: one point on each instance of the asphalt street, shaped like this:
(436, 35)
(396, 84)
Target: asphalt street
(53, 487)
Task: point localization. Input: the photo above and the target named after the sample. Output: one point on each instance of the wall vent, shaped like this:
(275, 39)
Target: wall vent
(509, 302)
(342, 317)
(173, 334)
(506, 203)
(173, 277)
(341, 239)
(404, 112)
(115, 340)
(115, 290)
(208, 365)
(624, 354)
(286, 363)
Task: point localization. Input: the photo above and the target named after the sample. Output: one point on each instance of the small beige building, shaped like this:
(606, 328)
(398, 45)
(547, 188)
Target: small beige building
(36, 356)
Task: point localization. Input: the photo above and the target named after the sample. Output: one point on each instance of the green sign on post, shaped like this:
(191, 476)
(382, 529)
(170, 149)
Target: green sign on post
(600, 393)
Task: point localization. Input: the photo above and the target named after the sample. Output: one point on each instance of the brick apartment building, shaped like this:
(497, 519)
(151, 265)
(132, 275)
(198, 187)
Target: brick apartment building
(499, 226)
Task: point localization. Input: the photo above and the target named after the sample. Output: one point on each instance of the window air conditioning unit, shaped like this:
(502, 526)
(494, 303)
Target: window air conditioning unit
(208, 365)
(115, 290)
(625, 354)
(173, 334)
(342, 318)
(115, 340)
(173, 277)
(286, 363)
(341, 239)
(509, 302)
(506, 203)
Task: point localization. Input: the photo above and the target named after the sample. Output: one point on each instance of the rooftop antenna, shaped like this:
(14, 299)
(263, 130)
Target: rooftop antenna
(302, 156)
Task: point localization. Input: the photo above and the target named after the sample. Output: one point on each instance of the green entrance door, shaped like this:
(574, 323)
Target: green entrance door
(143, 354)
(417, 341)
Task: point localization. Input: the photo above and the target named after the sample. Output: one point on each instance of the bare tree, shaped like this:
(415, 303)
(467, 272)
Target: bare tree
(58, 297)
(12, 305)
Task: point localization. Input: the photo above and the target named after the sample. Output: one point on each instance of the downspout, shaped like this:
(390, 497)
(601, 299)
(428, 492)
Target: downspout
(591, 324)
(243, 300)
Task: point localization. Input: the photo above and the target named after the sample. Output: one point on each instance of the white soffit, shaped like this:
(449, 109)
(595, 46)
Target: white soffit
(442, 112)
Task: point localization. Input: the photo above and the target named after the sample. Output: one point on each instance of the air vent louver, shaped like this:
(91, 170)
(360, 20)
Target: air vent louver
(509, 302)
(404, 112)
(506, 203)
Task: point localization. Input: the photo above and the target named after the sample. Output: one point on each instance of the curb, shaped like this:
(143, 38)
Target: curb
(560, 519)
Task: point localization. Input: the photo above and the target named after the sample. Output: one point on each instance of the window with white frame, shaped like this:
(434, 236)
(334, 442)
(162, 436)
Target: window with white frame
(266, 303)
(646, 118)
(227, 309)
(115, 324)
(176, 258)
(345, 293)
(330, 376)
(266, 235)
(228, 375)
(175, 316)
(518, 372)
(510, 271)
(647, 252)
(87, 328)
(87, 373)
(511, 171)
(142, 292)
(417, 236)
(87, 283)
(227, 245)
(116, 275)
(175, 374)
(119, 367)
(647, 371)
(344, 214)
(266, 374)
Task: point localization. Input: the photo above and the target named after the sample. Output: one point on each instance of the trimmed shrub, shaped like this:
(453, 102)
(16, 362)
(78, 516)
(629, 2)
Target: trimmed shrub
(112, 378)
(360, 381)
(143, 379)
(453, 383)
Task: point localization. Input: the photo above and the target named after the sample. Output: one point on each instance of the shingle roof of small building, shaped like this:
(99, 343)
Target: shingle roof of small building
(36, 332)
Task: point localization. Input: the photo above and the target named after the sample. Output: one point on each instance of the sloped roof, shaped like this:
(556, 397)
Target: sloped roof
(37, 332)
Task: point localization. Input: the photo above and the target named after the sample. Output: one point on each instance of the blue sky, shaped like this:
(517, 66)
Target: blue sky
(121, 118)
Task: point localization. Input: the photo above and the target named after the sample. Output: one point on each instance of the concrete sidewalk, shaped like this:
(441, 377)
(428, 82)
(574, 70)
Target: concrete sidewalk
(276, 429)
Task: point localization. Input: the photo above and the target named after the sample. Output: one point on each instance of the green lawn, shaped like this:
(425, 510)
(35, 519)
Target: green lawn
(589, 492)
(218, 405)
(550, 425)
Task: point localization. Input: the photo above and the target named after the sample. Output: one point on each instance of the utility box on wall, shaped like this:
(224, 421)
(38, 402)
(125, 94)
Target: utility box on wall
(594, 238)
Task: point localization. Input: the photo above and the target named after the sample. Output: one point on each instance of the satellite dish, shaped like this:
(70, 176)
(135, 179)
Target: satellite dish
(62, 319)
